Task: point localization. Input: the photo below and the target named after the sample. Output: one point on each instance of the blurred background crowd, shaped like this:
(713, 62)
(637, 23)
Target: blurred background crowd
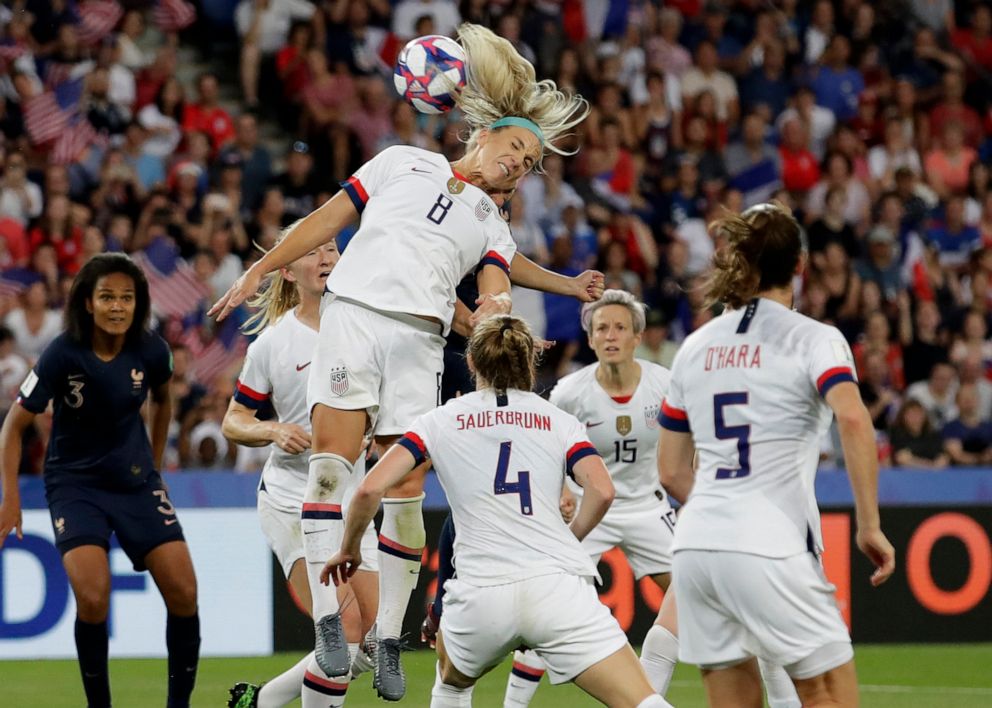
(183, 133)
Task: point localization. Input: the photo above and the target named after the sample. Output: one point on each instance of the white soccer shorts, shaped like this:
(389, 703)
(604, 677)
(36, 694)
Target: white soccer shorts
(559, 616)
(281, 528)
(643, 534)
(389, 366)
(736, 605)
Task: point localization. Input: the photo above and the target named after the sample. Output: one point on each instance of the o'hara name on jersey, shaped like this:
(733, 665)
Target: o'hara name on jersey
(487, 419)
(742, 356)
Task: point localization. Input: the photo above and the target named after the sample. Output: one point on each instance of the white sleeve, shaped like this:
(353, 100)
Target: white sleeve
(830, 360)
(254, 386)
(368, 181)
(500, 247)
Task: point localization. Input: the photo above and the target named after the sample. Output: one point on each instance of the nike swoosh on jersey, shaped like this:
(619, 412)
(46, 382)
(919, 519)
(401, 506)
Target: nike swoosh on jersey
(426, 172)
(301, 367)
(593, 425)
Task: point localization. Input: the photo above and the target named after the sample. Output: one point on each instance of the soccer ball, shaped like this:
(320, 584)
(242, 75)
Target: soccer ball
(430, 71)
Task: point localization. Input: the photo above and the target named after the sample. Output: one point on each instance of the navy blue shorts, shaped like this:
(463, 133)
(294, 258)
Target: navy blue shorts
(142, 518)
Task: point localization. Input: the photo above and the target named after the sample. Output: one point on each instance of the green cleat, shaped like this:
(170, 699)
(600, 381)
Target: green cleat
(244, 695)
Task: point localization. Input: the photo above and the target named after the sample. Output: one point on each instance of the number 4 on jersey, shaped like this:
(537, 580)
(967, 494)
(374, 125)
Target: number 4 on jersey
(520, 487)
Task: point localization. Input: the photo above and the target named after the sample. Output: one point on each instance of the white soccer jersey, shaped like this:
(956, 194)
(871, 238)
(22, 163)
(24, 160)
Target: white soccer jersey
(423, 229)
(502, 462)
(749, 386)
(276, 369)
(624, 432)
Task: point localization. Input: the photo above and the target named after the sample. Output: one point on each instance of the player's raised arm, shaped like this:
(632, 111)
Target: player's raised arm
(857, 437)
(17, 421)
(161, 417)
(494, 293)
(585, 287)
(318, 227)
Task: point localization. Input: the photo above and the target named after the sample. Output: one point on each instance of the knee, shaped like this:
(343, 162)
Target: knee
(180, 599)
(92, 602)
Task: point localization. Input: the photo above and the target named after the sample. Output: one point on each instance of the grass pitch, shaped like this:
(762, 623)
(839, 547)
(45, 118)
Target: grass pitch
(907, 676)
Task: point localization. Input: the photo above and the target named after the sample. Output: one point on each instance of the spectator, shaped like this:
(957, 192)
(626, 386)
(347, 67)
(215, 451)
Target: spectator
(838, 172)
(768, 83)
(895, 152)
(709, 163)
(104, 115)
(291, 63)
(953, 109)
(129, 41)
(926, 346)
(443, 13)
(13, 369)
(617, 274)
(877, 391)
(162, 119)
(581, 237)
(948, 166)
(819, 122)
(657, 127)
(296, 183)
(56, 227)
(800, 170)
(878, 340)
(655, 345)
(33, 323)
(971, 371)
(881, 264)
(914, 442)
(665, 54)
(967, 438)
(937, 395)
(562, 314)
(753, 166)
(263, 26)
(975, 42)
(937, 15)
(611, 168)
(836, 84)
(819, 32)
(973, 339)
(706, 76)
(206, 115)
(253, 158)
(832, 227)
(20, 198)
(954, 239)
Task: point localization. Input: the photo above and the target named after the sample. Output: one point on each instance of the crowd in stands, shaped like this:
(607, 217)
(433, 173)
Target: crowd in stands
(871, 120)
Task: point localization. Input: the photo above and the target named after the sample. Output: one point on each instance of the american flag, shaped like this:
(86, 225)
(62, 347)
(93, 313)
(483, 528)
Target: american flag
(97, 19)
(212, 358)
(52, 119)
(174, 288)
(173, 15)
(10, 287)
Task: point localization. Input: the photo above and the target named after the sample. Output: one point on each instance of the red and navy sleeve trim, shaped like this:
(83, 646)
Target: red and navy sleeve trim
(415, 446)
(354, 189)
(493, 258)
(249, 397)
(831, 377)
(575, 453)
(674, 419)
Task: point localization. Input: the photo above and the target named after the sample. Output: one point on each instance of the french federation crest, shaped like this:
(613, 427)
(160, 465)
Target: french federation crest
(624, 424)
(456, 186)
(651, 416)
(483, 210)
(60, 525)
(339, 381)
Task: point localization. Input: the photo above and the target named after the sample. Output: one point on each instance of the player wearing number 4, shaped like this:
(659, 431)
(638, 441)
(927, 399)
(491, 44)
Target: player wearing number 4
(501, 454)
(425, 224)
(101, 473)
(750, 395)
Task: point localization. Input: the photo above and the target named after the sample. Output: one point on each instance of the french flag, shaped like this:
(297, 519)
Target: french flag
(594, 19)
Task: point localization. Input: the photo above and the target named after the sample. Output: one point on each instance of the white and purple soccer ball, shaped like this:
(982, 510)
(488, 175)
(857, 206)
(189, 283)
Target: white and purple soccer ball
(430, 71)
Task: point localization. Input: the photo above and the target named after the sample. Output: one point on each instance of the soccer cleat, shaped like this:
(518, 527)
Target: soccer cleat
(388, 677)
(363, 660)
(243, 695)
(331, 649)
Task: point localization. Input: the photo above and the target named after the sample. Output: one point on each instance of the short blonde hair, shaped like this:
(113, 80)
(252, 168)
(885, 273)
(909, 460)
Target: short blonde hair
(616, 297)
(503, 353)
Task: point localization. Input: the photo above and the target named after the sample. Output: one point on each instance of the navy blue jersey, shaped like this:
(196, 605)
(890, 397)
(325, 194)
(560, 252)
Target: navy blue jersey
(98, 434)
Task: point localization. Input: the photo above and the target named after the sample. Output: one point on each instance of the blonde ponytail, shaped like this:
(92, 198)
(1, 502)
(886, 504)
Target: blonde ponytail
(275, 298)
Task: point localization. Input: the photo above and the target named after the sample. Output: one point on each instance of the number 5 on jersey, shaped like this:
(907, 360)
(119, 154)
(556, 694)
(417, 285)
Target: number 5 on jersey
(521, 487)
(729, 432)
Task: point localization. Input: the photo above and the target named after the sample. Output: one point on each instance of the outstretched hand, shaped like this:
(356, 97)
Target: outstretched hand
(876, 546)
(589, 285)
(340, 567)
(243, 288)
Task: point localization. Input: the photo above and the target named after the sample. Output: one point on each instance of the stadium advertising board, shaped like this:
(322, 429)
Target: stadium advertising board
(232, 563)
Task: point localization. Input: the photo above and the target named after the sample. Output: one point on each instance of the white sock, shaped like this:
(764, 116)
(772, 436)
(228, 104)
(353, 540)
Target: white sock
(285, 687)
(654, 702)
(319, 691)
(401, 544)
(321, 524)
(779, 687)
(525, 677)
(659, 654)
(445, 696)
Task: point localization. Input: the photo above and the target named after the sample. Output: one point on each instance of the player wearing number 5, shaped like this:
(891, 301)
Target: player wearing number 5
(425, 224)
(751, 394)
(501, 454)
(617, 399)
(101, 469)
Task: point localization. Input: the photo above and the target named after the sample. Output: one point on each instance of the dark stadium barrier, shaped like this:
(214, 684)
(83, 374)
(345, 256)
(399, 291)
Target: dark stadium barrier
(939, 522)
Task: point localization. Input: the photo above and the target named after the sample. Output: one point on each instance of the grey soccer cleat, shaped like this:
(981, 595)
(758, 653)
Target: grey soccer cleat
(331, 648)
(364, 659)
(388, 677)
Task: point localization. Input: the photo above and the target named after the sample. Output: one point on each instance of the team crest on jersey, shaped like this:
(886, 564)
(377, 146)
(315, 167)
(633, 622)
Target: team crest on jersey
(483, 210)
(60, 525)
(137, 378)
(624, 424)
(651, 416)
(456, 186)
(339, 381)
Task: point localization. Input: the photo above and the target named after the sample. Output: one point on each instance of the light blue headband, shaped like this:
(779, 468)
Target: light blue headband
(520, 123)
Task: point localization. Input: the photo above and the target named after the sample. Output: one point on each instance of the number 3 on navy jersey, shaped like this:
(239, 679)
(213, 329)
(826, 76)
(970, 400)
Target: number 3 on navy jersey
(730, 432)
(521, 486)
(440, 209)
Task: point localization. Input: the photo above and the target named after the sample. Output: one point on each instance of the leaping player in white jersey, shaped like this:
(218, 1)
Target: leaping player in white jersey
(619, 399)
(750, 395)
(425, 224)
(275, 372)
(501, 454)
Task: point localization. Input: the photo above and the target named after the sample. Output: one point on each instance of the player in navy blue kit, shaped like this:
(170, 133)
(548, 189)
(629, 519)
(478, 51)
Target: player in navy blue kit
(101, 468)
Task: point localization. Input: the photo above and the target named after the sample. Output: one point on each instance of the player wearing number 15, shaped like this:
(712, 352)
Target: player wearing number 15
(751, 394)
(501, 454)
(101, 469)
(425, 224)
